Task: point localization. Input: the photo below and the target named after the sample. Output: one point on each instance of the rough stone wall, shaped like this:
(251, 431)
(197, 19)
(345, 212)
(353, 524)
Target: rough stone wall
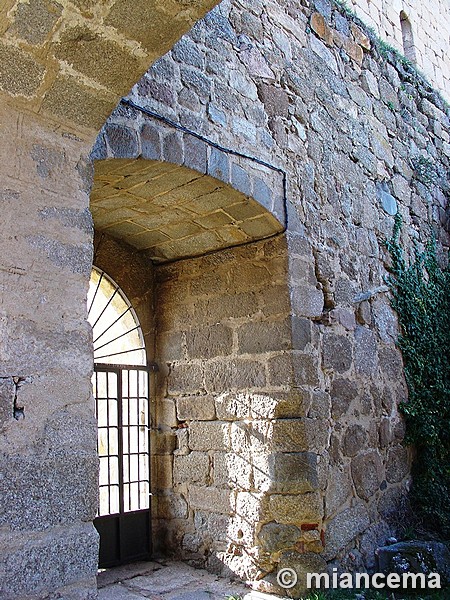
(223, 326)
(63, 66)
(430, 24)
(360, 138)
(74, 59)
(48, 464)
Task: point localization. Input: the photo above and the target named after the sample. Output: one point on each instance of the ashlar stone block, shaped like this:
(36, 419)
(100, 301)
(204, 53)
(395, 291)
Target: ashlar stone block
(301, 508)
(196, 408)
(191, 468)
(211, 499)
(209, 435)
(233, 406)
(275, 537)
(286, 472)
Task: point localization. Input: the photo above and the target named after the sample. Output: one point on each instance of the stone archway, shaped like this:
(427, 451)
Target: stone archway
(63, 67)
(229, 424)
(80, 57)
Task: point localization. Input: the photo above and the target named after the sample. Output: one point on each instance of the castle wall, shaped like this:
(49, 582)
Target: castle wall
(361, 138)
(63, 66)
(224, 342)
(430, 24)
(49, 463)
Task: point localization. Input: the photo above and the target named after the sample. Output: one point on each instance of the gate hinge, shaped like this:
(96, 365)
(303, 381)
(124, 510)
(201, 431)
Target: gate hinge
(153, 367)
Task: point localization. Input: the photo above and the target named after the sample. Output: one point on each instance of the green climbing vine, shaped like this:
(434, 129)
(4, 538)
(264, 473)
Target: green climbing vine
(421, 298)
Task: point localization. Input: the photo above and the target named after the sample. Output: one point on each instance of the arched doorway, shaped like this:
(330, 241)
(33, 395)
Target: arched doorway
(121, 392)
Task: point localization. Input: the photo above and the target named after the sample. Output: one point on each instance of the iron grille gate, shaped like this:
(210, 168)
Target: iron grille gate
(122, 409)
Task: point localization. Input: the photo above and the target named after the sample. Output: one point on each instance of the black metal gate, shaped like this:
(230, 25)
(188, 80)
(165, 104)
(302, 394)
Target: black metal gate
(122, 409)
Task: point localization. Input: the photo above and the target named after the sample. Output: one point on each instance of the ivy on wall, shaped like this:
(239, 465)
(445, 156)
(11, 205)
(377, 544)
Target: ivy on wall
(421, 298)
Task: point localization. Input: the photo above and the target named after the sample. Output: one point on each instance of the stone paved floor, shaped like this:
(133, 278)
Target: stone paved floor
(165, 580)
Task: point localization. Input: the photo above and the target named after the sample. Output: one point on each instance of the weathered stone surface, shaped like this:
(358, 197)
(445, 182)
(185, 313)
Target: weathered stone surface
(366, 358)
(302, 333)
(21, 74)
(344, 527)
(293, 472)
(70, 491)
(209, 435)
(254, 337)
(337, 352)
(234, 374)
(192, 468)
(208, 342)
(122, 141)
(68, 99)
(7, 396)
(211, 499)
(275, 537)
(322, 51)
(150, 142)
(318, 24)
(302, 508)
(171, 506)
(355, 439)
(338, 490)
(397, 464)
(231, 470)
(185, 379)
(231, 406)
(367, 474)
(391, 505)
(305, 370)
(385, 321)
(196, 408)
(275, 100)
(49, 557)
(297, 435)
(307, 301)
(163, 442)
(343, 392)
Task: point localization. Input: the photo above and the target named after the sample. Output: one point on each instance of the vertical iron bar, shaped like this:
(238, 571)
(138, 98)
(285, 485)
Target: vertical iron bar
(138, 400)
(129, 440)
(108, 454)
(120, 437)
(149, 465)
(119, 459)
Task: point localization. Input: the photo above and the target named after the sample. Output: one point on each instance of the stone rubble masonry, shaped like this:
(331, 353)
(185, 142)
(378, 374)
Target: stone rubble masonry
(283, 341)
(280, 378)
